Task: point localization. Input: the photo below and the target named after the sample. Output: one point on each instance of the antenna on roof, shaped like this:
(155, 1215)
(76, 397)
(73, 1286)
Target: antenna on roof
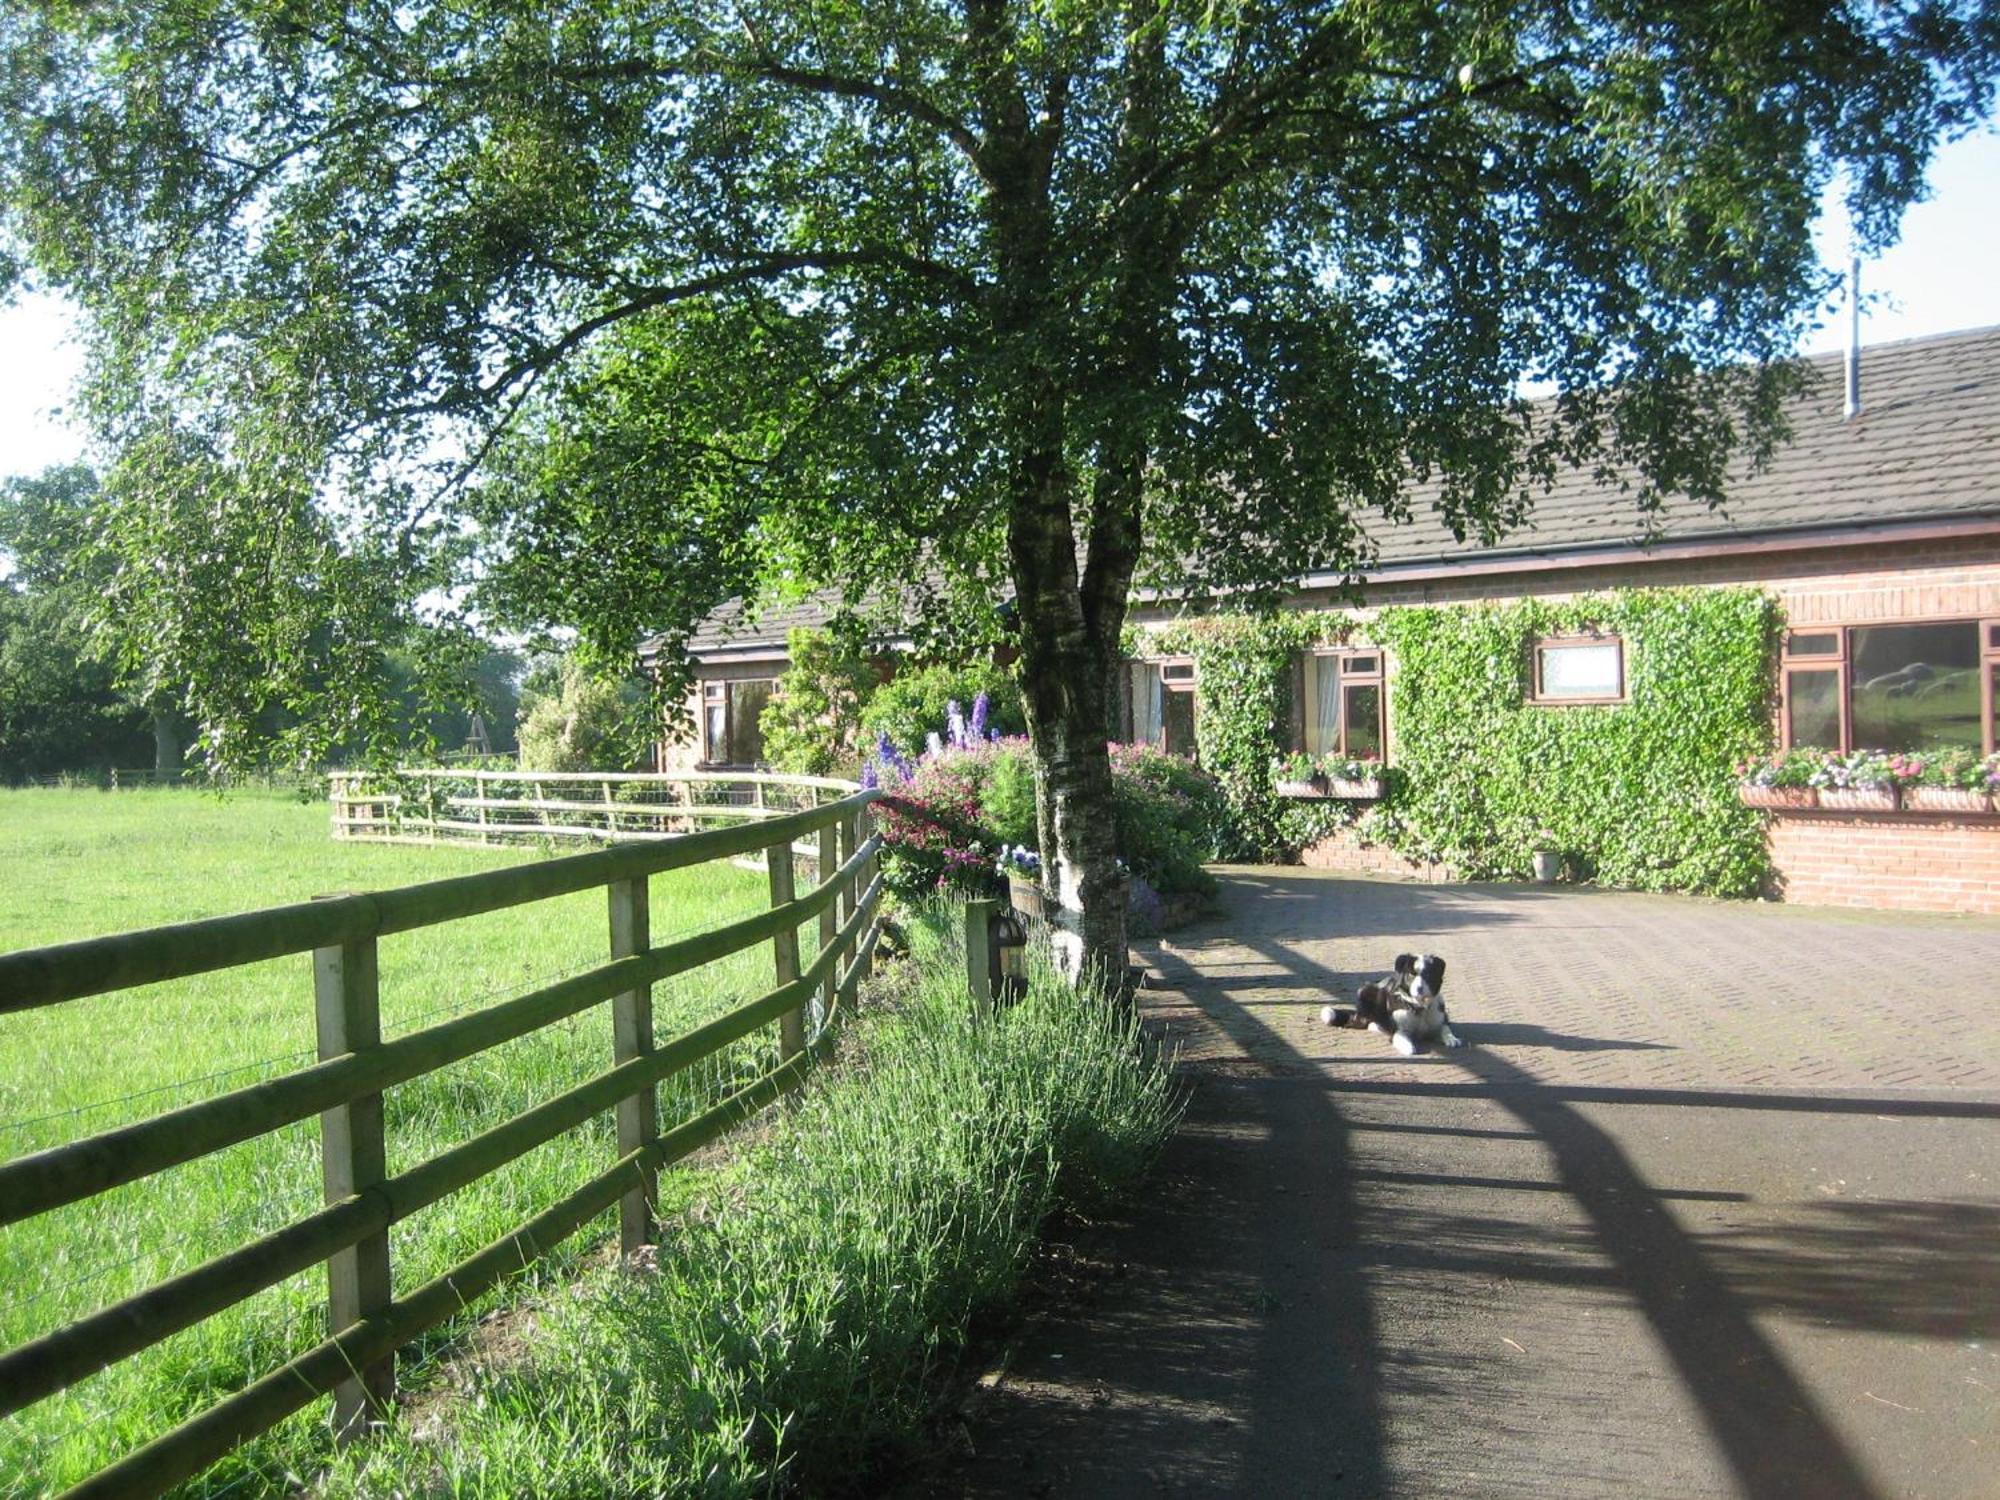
(1853, 407)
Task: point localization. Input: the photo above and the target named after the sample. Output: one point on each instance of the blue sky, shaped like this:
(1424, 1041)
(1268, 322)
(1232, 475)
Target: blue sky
(1938, 278)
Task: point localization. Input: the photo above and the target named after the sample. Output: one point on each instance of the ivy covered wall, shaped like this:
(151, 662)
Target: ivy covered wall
(1639, 794)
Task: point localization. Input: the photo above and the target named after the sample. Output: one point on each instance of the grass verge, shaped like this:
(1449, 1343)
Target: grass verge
(78, 863)
(793, 1329)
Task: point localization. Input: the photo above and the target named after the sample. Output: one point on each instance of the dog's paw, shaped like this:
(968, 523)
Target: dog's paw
(1328, 1016)
(1404, 1045)
(1452, 1039)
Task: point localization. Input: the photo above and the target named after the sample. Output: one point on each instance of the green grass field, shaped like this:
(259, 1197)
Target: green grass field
(79, 863)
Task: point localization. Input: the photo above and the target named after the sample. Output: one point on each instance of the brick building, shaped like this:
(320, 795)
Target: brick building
(1878, 534)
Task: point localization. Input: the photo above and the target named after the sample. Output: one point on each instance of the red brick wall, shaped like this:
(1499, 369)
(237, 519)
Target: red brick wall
(1901, 861)
(1345, 849)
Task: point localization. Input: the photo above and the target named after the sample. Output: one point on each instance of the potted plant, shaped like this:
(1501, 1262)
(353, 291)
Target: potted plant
(1782, 779)
(1021, 868)
(1298, 775)
(1359, 779)
(1953, 780)
(1861, 781)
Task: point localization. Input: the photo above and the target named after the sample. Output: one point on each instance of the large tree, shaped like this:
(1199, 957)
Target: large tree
(937, 300)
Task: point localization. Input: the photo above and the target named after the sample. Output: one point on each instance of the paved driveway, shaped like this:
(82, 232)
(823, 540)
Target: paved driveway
(1709, 1206)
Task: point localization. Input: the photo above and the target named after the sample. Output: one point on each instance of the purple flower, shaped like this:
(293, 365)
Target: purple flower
(981, 706)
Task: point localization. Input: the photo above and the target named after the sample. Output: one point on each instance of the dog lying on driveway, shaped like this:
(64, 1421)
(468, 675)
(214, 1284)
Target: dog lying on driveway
(1406, 1006)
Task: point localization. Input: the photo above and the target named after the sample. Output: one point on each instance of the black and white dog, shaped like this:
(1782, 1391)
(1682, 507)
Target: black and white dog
(1407, 1006)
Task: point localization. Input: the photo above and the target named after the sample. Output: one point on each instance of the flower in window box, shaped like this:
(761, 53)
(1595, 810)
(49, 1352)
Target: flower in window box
(1861, 781)
(1948, 780)
(1359, 779)
(1298, 775)
(1780, 780)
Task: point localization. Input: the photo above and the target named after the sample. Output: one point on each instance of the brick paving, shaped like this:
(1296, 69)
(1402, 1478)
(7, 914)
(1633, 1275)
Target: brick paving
(1708, 1206)
(1621, 990)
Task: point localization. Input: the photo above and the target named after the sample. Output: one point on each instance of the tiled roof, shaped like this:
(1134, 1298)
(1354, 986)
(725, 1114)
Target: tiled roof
(1925, 446)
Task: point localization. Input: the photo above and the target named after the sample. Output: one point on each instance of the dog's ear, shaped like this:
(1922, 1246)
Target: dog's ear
(1406, 963)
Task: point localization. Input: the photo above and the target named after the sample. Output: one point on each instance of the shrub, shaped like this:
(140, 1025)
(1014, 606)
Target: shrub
(792, 1335)
(911, 705)
(945, 825)
(812, 726)
(585, 726)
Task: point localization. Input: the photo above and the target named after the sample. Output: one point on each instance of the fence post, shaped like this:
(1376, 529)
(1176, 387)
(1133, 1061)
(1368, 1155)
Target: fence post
(347, 1006)
(864, 820)
(785, 951)
(479, 791)
(979, 952)
(829, 917)
(632, 1036)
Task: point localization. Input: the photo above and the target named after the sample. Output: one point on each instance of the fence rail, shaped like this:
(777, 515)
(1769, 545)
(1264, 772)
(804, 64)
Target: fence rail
(447, 805)
(345, 1089)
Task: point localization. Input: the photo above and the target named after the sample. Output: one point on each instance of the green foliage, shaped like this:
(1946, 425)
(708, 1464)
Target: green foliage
(1640, 795)
(807, 1308)
(719, 304)
(1172, 817)
(1243, 707)
(585, 726)
(812, 726)
(911, 705)
(1007, 802)
(944, 828)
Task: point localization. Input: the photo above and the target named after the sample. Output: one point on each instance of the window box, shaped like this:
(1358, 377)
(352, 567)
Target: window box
(1858, 798)
(1314, 790)
(1795, 797)
(1950, 799)
(1354, 791)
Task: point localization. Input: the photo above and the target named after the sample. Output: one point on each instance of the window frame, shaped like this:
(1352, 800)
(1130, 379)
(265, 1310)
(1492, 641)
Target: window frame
(1187, 680)
(1308, 682)
(723, 690)
(1987, 628)
(1600, 638)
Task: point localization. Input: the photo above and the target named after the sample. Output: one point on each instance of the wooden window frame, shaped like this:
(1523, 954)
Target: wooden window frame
(723, 690)
(1543, 643)
(1376, 677)
(1188, 681)
(1841, 664)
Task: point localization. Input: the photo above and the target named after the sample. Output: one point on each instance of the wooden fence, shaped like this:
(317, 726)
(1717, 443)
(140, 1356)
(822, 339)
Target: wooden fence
(447, 805)
(345, 1089)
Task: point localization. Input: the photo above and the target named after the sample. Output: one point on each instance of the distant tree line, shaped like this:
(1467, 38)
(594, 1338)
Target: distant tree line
(71, 702)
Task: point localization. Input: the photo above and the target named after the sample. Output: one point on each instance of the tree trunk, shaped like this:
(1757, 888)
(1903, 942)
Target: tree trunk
(166, 745)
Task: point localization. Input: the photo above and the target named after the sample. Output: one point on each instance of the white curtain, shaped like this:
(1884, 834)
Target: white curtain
(1326, 706)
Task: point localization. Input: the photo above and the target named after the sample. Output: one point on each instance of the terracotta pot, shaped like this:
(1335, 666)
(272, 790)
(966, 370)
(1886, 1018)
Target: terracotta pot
(1358, 791)
(1026, 898)
(1777, 796)
(1858, 798)
(1946, 799)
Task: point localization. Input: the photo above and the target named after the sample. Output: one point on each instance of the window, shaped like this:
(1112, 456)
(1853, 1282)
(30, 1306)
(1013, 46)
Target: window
(1579, 669)
(731, 731)
(1162, 698)
(1915, 686)
(1342, 705)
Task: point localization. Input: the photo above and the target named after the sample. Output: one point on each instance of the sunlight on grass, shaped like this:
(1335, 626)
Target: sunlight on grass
(79, 863)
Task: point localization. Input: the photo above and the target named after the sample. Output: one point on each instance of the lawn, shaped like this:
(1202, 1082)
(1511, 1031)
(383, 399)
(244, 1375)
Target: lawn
(79, 863)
